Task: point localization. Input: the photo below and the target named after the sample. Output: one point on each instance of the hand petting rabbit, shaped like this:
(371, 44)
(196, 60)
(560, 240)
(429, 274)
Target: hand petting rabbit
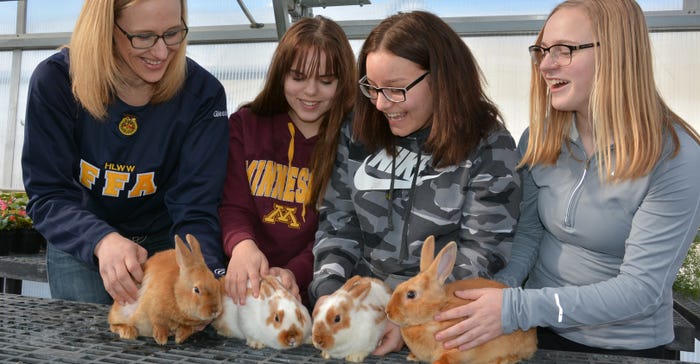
(276, 318)
(415, 302)
(179, 295)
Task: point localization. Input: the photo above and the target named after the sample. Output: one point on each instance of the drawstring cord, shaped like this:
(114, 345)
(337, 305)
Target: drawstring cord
(390, 195)
(290, 151)
(290, 157)
(407, 214)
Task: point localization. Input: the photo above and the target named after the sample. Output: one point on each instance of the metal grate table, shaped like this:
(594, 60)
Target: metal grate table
(36, 330)
(689, 307)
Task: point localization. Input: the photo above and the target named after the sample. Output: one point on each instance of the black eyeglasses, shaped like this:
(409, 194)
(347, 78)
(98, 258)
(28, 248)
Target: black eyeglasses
(393, 94)
(561, 53)
(148, 40)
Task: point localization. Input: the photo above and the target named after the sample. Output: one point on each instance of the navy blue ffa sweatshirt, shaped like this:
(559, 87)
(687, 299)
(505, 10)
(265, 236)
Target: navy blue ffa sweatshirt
(142, 170)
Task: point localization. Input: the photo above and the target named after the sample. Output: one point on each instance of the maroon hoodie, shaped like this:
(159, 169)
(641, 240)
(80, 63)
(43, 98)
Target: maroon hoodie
(267, 180)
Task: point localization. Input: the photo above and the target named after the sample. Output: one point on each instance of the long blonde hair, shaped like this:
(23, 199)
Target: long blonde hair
(625, 107)
(94, 66)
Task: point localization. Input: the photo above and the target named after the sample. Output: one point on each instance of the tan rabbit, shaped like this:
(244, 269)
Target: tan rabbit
(415, 302)
(179, 295)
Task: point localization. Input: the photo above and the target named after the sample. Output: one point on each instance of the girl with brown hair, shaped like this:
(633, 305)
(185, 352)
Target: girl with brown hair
(279, 158)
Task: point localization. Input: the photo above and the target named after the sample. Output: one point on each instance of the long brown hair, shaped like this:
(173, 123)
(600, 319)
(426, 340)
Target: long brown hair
(463, 114)
(318, 35)
(625, 106)
(94, 66)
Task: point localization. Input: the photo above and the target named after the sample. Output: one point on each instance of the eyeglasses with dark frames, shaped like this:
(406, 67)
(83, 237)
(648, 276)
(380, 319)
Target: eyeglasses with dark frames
(561, 54)
(393, 94)
(148, 40)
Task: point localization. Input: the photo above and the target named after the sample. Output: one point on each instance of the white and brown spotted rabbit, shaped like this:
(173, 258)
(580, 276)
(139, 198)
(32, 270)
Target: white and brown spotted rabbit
(349, 323)
(274, 319)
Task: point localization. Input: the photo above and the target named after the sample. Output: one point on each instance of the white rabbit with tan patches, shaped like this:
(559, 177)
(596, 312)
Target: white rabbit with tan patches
(275, 319)
(349, 323)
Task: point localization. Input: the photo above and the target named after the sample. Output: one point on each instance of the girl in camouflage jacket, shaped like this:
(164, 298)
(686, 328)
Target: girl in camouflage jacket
(429, 156)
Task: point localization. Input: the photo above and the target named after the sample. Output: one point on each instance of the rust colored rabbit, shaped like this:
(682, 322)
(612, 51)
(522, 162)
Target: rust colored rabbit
(415, 302)
(179, 295)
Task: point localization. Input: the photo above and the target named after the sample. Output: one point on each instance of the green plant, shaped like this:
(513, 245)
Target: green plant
(13, 211)
(688, 279)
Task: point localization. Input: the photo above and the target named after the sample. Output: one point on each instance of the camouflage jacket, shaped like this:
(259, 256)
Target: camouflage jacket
(373, 220)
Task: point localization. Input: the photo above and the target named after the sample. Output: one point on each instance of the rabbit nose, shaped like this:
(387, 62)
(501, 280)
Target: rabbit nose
(292, 335)
(215, 309)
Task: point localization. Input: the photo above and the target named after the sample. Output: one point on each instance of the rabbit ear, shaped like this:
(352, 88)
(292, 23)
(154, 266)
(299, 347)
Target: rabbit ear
(351, 282)
(427, 253)
(444, 262)
(185, 257)
(178, 240)
(268, 285)
(194, 244)
(182, 253)
(360, 289)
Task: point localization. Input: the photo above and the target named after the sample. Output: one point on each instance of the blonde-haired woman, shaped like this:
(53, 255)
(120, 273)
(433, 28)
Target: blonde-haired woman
(125, 146)
(611, 195)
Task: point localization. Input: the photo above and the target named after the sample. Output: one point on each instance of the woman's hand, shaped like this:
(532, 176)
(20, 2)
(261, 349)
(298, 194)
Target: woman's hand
(481, 319)
(390, 341)
(120, 263)
(247, 263)
(288, 280)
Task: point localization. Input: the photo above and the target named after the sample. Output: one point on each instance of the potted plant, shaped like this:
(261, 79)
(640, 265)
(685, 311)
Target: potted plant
(17, 233)
(687, 282)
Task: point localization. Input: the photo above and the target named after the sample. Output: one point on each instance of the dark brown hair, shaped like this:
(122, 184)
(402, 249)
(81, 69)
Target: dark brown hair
(320, 36)
(463, 115)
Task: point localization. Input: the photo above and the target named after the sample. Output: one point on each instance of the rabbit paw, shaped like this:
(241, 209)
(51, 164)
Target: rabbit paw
(125, 331)
(356, 357)
(182, 333)
(160, 335)
(255, 344)
(412, 357)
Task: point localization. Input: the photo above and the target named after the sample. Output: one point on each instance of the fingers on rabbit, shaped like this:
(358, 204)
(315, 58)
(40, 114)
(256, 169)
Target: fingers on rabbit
(274, 319)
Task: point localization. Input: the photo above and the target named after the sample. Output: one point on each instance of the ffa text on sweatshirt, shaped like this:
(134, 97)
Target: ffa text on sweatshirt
(140, 171)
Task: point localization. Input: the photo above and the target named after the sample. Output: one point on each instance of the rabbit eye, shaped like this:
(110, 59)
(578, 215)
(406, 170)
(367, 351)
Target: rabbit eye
(411, 294)
(277, 317)
(196, 290)
(336, 319)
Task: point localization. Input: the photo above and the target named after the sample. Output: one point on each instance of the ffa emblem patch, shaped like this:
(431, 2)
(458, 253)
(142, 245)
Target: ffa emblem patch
(128, 125)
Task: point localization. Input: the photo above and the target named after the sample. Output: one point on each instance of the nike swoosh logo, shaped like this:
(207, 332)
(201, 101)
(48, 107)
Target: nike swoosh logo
(366, 182)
